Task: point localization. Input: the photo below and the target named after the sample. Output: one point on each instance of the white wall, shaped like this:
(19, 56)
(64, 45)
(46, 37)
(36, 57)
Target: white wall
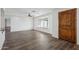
(21, 23)
(2, 39)
(78, 26)
(55, 24)
(37, 21)
(2, 25)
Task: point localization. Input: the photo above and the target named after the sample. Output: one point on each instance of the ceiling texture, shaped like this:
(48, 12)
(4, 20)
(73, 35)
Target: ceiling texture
(25, 11)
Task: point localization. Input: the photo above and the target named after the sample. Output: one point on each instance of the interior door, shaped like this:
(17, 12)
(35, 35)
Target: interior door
(67, 25)
(2, 27)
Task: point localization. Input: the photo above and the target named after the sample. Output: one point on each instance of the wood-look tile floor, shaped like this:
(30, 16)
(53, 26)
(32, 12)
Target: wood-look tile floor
(34, 40)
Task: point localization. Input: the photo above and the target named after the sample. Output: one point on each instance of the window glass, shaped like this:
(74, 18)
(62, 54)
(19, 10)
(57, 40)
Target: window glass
(44, 23)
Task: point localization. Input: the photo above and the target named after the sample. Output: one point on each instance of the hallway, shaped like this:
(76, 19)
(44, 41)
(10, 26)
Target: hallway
(34, 40)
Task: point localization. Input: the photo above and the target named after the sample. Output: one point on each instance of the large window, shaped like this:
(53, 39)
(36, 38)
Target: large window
(44, 23)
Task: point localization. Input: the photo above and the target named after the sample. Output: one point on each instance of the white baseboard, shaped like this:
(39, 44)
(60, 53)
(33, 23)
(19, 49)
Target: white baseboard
(20, 30)
(55, 36)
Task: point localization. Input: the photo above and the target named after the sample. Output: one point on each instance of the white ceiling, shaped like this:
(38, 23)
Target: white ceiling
(25, 11)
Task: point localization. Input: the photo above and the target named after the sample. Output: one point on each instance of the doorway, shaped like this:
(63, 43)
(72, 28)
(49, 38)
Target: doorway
(7, 25)
(67, 25)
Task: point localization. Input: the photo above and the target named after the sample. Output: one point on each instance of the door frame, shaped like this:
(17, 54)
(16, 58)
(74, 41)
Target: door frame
(75, 9)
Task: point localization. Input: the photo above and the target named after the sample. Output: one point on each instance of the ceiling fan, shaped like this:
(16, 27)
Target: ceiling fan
(29, 15)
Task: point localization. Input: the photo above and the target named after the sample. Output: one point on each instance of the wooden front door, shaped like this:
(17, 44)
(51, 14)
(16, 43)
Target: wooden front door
(67, 25)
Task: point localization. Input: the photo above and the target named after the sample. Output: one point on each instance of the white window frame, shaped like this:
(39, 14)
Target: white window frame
(43, 23)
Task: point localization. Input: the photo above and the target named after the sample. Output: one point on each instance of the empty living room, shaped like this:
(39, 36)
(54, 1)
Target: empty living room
(39, 28)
